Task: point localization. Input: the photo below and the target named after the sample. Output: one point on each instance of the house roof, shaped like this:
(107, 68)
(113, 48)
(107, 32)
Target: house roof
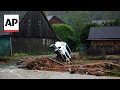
(21, 15)
(49, 17)
(104, 33)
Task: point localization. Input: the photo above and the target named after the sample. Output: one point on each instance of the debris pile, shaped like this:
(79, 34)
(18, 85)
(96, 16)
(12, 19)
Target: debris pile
(98, 69)
(42, 63)
(106, 65)
(3, 60)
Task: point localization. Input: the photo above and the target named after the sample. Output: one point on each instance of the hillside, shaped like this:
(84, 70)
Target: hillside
(70, 17)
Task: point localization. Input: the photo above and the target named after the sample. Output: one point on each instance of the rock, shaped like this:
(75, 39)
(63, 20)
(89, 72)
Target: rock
(19, 62)
(100, 73)
(72, 71)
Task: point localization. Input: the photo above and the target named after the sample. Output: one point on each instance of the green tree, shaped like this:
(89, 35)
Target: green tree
(81, 31)
(65, 33)
(85, 31)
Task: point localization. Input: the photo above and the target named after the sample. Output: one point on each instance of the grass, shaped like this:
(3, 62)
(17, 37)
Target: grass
(83, 61)
(7, 57)
(19, 55)
(101, 57)
(27, 54)
(41, 53)
(116, 74)
(13, 57)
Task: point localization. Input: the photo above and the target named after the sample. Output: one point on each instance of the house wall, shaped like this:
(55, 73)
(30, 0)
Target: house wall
(55, 20)
(5, 46)
(105, 47)
(29, 45)
(35, 34)
(34, 24)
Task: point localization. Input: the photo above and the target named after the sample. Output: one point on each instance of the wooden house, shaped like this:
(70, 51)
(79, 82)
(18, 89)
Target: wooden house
(54, 20)
(104, 40)
(35, 34)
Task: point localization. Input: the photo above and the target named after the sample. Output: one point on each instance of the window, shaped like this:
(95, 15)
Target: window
(39, 22)
(29, 22)
(43, 41)
(48, 42)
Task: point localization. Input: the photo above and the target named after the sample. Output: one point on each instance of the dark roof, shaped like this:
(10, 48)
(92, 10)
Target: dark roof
(49, 17)
(21, 15)
(104, 33)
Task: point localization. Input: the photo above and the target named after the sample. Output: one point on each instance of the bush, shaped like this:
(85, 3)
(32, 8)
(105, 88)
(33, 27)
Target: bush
(65, 33)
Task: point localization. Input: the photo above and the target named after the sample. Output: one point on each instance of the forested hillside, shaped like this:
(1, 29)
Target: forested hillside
(70, 17)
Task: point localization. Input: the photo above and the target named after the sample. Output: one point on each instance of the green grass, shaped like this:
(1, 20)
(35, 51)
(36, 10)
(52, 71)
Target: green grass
(14, 56)
(102, 57)
(83, 61)
(41, 53)
(7, 57)
(116, 74)
(20, 54)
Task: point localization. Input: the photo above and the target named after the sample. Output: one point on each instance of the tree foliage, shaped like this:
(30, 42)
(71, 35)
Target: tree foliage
(65, 33)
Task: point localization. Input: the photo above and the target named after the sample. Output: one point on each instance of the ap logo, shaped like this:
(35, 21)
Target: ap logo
(11, 23)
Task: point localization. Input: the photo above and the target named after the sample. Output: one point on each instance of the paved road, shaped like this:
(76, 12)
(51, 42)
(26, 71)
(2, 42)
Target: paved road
(12, 72)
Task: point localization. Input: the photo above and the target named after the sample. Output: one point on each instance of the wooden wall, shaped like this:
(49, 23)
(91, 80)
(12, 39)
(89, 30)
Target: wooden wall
(34, 24)
(105, 47)
(27, 45)
(35, 34)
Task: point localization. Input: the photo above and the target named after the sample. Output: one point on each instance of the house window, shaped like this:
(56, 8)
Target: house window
(29, 22)
(48, 42)
(43, 41)
(39, 22)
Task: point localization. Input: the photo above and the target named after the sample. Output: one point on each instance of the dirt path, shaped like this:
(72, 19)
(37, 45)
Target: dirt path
(12, 72)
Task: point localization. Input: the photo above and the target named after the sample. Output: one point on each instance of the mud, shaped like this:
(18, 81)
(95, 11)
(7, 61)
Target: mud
(48, 64)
